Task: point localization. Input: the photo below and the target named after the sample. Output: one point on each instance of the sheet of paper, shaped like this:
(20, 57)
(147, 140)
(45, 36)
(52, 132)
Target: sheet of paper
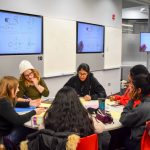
(45, 105)
(115, 114)
(92, 103)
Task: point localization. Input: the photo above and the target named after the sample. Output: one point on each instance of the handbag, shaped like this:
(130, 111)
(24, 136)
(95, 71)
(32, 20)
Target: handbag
(101, 115)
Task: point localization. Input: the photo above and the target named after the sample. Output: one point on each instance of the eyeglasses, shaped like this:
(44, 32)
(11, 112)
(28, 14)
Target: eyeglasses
(83, 74)
(28, 75)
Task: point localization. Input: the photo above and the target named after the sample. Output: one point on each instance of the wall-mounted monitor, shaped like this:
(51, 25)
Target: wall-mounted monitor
(20, 33)
(90, 38)
(144, 42)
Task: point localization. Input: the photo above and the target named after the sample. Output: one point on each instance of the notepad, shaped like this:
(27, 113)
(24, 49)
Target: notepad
(25, 109)
(45, 105)
(92, 103)
(115, 114)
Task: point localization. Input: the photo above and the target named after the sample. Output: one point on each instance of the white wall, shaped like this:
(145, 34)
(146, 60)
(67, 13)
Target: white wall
(110, 79)
(92, 11)
(130, 50)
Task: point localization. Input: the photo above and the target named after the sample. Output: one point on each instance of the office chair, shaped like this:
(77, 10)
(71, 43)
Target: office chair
(2, 146)
(145, 141)
(88, 143)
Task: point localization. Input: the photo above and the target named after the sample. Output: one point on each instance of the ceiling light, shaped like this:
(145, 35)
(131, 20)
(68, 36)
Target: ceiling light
(143, 9)
(127, 25)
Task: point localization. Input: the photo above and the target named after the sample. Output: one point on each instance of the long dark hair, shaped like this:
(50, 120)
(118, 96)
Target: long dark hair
(137, 70)
(142, 81)
(68, 114)
(85, 67)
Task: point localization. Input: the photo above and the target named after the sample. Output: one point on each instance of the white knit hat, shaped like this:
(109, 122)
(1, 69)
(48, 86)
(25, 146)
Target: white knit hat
(25, 65)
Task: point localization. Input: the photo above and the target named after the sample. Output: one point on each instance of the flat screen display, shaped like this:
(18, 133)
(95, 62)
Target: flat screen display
(145, 42)
(20, 33)
(90, 38)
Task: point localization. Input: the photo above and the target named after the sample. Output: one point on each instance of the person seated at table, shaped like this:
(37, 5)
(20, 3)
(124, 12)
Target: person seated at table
(31, 85)
(136, 118)
(11, 123)
(67, 115)
(85, 84)
(123, 99)
(117, 140)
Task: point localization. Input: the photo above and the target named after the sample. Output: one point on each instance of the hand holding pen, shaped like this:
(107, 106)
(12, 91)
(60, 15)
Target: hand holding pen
(26, 98)
(87, 97)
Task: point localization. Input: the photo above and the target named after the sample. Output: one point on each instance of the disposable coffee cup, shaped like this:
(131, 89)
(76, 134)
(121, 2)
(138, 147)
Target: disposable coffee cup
(101, 102)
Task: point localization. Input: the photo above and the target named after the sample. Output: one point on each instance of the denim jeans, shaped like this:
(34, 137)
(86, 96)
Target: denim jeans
(19, 134)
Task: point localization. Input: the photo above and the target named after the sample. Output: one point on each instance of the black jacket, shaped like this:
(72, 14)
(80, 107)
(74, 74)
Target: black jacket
(88, 87)
(22, 104)
(9, 119)
(47, 139)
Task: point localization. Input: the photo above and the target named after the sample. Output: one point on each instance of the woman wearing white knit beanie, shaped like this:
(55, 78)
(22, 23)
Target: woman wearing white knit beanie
(31, 85)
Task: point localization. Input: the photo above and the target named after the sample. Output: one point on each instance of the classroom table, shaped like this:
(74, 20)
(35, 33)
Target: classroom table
(110, 107)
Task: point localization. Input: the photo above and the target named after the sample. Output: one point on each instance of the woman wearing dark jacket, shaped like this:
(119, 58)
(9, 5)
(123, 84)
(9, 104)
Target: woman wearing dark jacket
(136, 118)
(85, 84)
(10, 121)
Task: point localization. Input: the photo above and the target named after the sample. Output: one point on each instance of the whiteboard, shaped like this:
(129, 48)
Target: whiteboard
(59, 47)
(113, 46)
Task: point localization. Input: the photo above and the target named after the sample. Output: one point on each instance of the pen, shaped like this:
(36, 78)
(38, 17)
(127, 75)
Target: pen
(90, 90)
(43, 107)
(26, 97)
(44, 100)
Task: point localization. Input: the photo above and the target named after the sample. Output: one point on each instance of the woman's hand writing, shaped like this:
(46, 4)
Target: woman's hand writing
(39, 110)
(35, 102)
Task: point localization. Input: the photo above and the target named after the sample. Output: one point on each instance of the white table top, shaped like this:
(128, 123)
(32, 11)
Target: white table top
(115, 112)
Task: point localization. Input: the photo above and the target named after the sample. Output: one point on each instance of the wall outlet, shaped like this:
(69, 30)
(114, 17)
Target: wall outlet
(109, 84)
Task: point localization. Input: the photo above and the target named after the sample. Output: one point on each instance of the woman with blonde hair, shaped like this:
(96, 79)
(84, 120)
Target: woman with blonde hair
(11, 123)
(31, 85)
